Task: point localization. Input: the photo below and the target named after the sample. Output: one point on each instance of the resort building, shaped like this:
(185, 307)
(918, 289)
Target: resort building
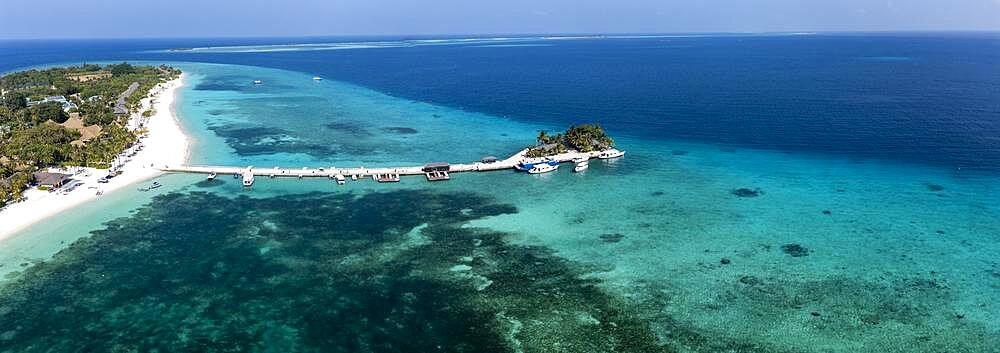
(50, 180)
(66, 104)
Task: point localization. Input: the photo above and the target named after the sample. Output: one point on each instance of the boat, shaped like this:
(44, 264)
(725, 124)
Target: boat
(248, 177)
(154, 186)
(611, 153)
(341, 180)
(258, 82)
(581, 166)
(437, 175)
(543, 168)
(317, 78)
(386, 178)
(526, 166)
(212, 176)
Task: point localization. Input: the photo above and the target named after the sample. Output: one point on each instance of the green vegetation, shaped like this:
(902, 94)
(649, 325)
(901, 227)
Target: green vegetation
(582, 138)
(32, 131)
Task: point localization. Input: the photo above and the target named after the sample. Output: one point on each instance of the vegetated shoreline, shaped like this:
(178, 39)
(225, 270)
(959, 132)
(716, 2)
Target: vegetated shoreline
(164, 143)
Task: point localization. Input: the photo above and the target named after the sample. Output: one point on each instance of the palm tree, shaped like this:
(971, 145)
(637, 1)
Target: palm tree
(543, 138)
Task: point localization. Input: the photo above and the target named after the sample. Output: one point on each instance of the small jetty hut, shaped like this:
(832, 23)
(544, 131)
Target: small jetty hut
(437, 171)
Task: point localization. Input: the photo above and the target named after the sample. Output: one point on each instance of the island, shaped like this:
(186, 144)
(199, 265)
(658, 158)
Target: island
(61, 127)
(580, 138)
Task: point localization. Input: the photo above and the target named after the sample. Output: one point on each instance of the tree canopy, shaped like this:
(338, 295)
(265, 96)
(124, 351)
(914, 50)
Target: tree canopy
(582, 138)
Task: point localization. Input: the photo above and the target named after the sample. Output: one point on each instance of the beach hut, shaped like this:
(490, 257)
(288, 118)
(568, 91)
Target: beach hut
(50, 180)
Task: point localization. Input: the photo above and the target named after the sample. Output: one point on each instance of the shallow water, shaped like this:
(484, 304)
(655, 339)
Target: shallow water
(679, 246)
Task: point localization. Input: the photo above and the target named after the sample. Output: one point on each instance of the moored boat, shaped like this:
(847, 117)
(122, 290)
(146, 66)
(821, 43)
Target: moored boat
(611, 153)
(341, 180)
(248, 177)
(386, 178)
(543, 168)
(581, 166)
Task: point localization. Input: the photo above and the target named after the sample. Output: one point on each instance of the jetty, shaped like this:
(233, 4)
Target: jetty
(437, 171)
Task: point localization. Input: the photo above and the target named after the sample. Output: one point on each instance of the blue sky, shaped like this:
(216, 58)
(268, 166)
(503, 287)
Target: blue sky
(215, 18)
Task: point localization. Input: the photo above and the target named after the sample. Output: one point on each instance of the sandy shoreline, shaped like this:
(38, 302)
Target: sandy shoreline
(164, 143)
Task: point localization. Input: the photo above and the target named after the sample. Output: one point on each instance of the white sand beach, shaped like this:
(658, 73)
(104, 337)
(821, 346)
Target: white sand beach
(164, 143)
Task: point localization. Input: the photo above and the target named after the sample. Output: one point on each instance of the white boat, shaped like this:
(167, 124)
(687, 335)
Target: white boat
(581, 166)
(258, 82)
(248, 178)
(542, 168)
(341, 180)
(212, 176)
(612, 153)
(317, 78)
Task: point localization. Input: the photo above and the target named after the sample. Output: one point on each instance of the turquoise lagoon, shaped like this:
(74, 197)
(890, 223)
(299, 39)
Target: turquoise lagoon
(679, 246)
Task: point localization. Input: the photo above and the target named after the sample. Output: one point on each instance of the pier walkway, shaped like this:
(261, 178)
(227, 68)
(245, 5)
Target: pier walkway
(362, 172)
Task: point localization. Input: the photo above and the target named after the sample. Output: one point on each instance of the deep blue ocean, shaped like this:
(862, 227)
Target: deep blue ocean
(924, 98)
(780, 193)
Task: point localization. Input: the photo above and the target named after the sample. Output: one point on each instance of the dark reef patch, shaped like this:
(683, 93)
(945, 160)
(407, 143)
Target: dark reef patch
(746, 192)
(401, 130)
(612, 237)
(254, 140)
(350, 275)
(934, 187)
(795, 250)
(210, 183)
(657, 193)
(350, 128)
(679, 152)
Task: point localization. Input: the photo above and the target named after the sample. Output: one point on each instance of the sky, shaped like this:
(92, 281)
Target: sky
(23, 19)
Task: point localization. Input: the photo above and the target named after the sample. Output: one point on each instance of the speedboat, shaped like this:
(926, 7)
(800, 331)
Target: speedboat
(543, 168)
(526, 166)
(155, 185)
(581, 166)
(258, 82)
(611, 153)
(341, 180)
(317, 78)
(212, 176)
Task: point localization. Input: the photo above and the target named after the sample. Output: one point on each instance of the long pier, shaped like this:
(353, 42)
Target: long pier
(512, 162)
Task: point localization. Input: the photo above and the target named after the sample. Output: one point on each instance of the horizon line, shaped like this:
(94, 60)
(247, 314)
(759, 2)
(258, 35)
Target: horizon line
(513, 35)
